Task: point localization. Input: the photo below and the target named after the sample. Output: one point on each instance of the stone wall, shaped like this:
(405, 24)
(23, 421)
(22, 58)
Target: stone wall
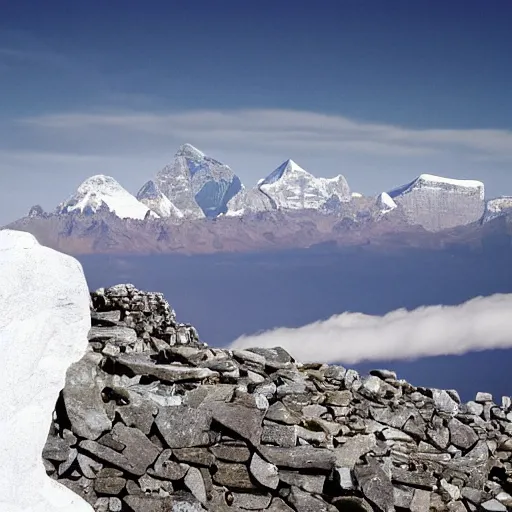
(153, 420)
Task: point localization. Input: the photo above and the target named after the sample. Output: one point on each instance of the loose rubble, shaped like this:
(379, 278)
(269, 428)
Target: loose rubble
(153, 420)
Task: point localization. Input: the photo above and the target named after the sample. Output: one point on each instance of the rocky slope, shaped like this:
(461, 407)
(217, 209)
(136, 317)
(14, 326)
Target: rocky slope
(151, 419)
(437, 203)
(151, 196)
(497, 207)
(290, 187)
(359, 223)
(198, 185)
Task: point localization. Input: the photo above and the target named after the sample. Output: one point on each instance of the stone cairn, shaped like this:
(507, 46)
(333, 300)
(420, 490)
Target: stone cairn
(153, 420)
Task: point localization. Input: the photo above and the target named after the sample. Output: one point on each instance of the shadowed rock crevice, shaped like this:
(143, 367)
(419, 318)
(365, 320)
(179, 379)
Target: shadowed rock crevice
(152, 419)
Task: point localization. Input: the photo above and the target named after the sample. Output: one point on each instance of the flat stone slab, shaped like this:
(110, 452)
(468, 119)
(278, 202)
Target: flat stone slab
(299, 457)
(140, 364)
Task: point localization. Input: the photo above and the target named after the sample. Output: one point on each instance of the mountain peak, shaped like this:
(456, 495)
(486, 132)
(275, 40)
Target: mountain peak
(431, 181)
(188, 151)
(288, 167)
(100, 190)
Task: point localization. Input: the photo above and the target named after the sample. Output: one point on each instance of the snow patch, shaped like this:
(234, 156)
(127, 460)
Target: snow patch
(385, 202)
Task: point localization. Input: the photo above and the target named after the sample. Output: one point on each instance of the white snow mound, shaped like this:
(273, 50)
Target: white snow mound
(44, 321)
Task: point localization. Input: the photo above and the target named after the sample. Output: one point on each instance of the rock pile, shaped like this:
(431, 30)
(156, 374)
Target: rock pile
(153, 420)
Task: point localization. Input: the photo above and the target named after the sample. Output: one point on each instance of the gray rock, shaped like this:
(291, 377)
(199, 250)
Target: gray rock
(249, 356)
(273, 355)
(483, 398)
(343, 478)
(140, 364)
(251, 501)
(244, 421)
(195, 484)
(462, 436)
(82, 398)
(304, 502)
(418, 478)
(109, 485)
(444, 403)
(231, 453)
(299, 457)
(56, 448)
(195, 456)
(184, 427)
(280, 435)
(105, 318)
(450, 491)
(439, 436)
(279, 413)
(475, 408)
(312, 483)
(392, 417)
(472, 495)
(336, 373)
(116, 335)
(69, 462)
(167, 469)
(420, 501)
(138, 455)
(138, 413)
(384, 374)
(375, 485)
(148, 484)
(209, 393)
(348, 454)
(89, 467)
(278, 505)
(265, 473)
(338, 398)
(494, 506)
(141, 503)
(233, 476)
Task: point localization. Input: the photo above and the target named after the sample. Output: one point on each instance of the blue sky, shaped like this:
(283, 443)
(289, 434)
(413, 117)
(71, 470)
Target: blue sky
(378, 91)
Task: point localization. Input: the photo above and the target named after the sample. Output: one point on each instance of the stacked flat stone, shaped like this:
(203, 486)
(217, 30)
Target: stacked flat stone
(153, 420)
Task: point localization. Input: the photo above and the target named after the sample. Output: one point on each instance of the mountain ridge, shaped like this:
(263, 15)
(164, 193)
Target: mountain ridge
(197, 204)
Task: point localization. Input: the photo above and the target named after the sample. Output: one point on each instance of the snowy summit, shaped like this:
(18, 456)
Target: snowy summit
(101, 191)
(291, 187)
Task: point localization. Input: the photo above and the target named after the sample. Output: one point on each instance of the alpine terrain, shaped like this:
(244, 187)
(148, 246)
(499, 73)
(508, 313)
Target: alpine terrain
(197, 204)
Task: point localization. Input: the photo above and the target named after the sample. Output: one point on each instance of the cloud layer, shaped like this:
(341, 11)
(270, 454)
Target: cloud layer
(285, 129)
(479, 324)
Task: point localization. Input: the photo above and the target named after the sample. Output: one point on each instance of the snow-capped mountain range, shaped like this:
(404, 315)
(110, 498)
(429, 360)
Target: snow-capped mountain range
(196, 186)
(289, 208)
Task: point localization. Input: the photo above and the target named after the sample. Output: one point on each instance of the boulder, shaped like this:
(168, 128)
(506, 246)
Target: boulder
(44, 321)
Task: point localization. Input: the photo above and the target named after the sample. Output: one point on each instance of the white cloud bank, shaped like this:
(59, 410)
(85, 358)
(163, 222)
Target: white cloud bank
(479, 324)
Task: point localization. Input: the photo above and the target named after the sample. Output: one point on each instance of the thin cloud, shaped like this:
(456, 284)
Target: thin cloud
(263, 127)
(481, 323)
